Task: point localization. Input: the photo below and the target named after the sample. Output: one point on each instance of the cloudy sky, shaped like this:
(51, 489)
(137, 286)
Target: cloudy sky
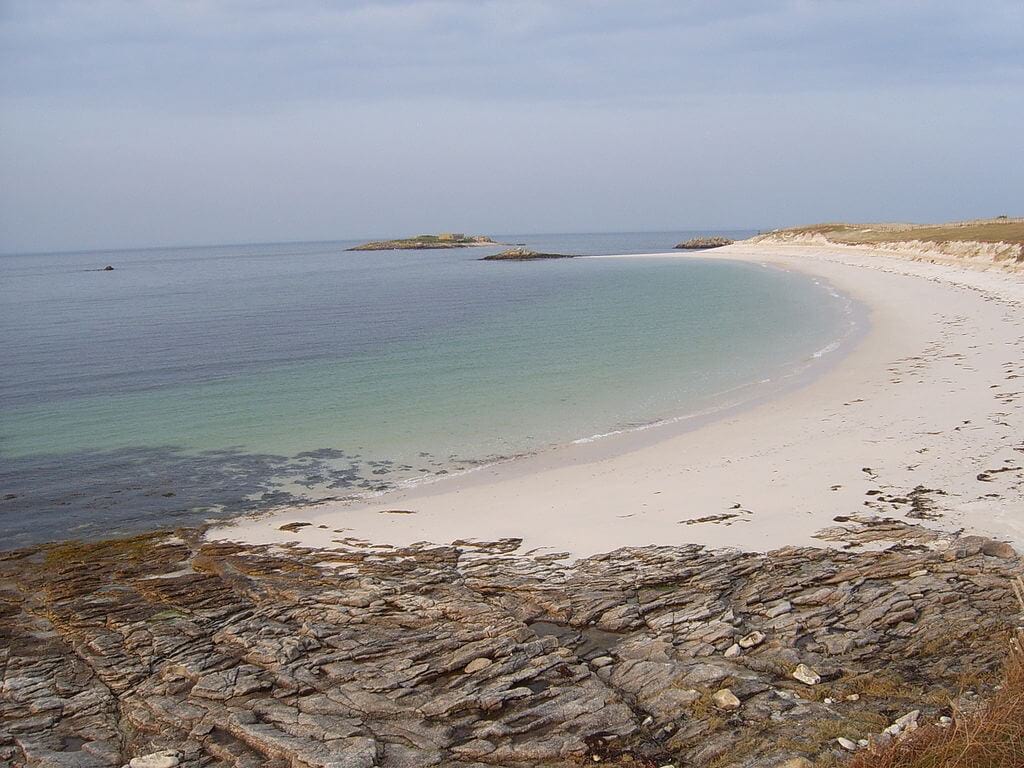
(127, 123)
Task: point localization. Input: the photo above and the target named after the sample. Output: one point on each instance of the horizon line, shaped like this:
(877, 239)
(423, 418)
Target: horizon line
(165, 247)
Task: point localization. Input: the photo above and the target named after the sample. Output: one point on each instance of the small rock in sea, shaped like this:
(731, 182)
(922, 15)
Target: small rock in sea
(725, 699)
(108, 268)
(806, 675)
(700, 243)
(167, 758)
(732, 651)
(524, 254)
(477, 664)
(755, 638)
(846, 744)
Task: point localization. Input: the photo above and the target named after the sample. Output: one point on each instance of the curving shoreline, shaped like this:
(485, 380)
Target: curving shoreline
(875, 410)
(323, 648)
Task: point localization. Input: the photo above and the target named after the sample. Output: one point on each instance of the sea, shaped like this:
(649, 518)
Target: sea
(190, 384)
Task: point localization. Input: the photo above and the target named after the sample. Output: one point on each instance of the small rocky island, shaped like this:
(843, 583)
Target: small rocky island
(424, 242)
(525, 254)
(702, 243)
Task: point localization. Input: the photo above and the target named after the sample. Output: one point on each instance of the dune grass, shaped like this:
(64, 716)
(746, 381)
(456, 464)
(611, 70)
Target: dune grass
(999, 230)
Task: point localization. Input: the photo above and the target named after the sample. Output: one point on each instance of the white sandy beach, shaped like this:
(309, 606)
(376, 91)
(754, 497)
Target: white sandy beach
(931, 399)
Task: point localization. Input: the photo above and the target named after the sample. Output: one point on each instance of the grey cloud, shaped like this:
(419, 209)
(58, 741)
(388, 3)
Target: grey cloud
(146, 122)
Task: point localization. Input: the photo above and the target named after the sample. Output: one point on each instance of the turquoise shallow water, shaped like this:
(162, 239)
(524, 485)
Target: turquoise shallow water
(209, 381)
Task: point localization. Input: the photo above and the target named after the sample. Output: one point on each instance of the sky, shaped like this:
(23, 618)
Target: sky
(132, 123)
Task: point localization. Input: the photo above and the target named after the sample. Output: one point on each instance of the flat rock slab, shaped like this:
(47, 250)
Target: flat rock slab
(159, 650)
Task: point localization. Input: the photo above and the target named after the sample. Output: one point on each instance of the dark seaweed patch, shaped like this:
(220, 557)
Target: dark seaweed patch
(97, 494)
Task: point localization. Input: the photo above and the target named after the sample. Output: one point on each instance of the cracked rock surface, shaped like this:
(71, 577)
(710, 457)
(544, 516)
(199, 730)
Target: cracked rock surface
(167, 650)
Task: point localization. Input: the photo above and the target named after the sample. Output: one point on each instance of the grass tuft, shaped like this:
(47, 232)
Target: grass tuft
(989, 737)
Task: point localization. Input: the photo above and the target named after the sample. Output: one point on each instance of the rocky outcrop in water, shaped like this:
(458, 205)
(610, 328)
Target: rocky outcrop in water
(525, 254)
(425, 242)
(168, 651)
(702, 243)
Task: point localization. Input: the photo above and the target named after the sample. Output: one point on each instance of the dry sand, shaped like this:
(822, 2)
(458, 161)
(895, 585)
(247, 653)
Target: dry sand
(931, 399)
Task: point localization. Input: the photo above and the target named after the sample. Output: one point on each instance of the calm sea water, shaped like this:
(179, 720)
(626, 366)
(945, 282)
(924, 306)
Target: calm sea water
(198, 382)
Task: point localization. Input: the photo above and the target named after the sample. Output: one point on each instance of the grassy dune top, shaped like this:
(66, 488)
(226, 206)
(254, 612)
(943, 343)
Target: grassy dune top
(999, 230)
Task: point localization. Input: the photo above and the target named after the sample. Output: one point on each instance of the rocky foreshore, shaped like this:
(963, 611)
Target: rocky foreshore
(165, 650)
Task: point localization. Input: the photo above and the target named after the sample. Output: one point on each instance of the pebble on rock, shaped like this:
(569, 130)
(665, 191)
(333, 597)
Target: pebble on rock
(806, 675)
(167, 758)
(755, 638)
(477, 664)
(725, 699)
(846, 744)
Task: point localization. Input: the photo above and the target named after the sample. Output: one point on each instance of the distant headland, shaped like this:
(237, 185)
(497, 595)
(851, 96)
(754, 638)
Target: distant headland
(424, 242)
